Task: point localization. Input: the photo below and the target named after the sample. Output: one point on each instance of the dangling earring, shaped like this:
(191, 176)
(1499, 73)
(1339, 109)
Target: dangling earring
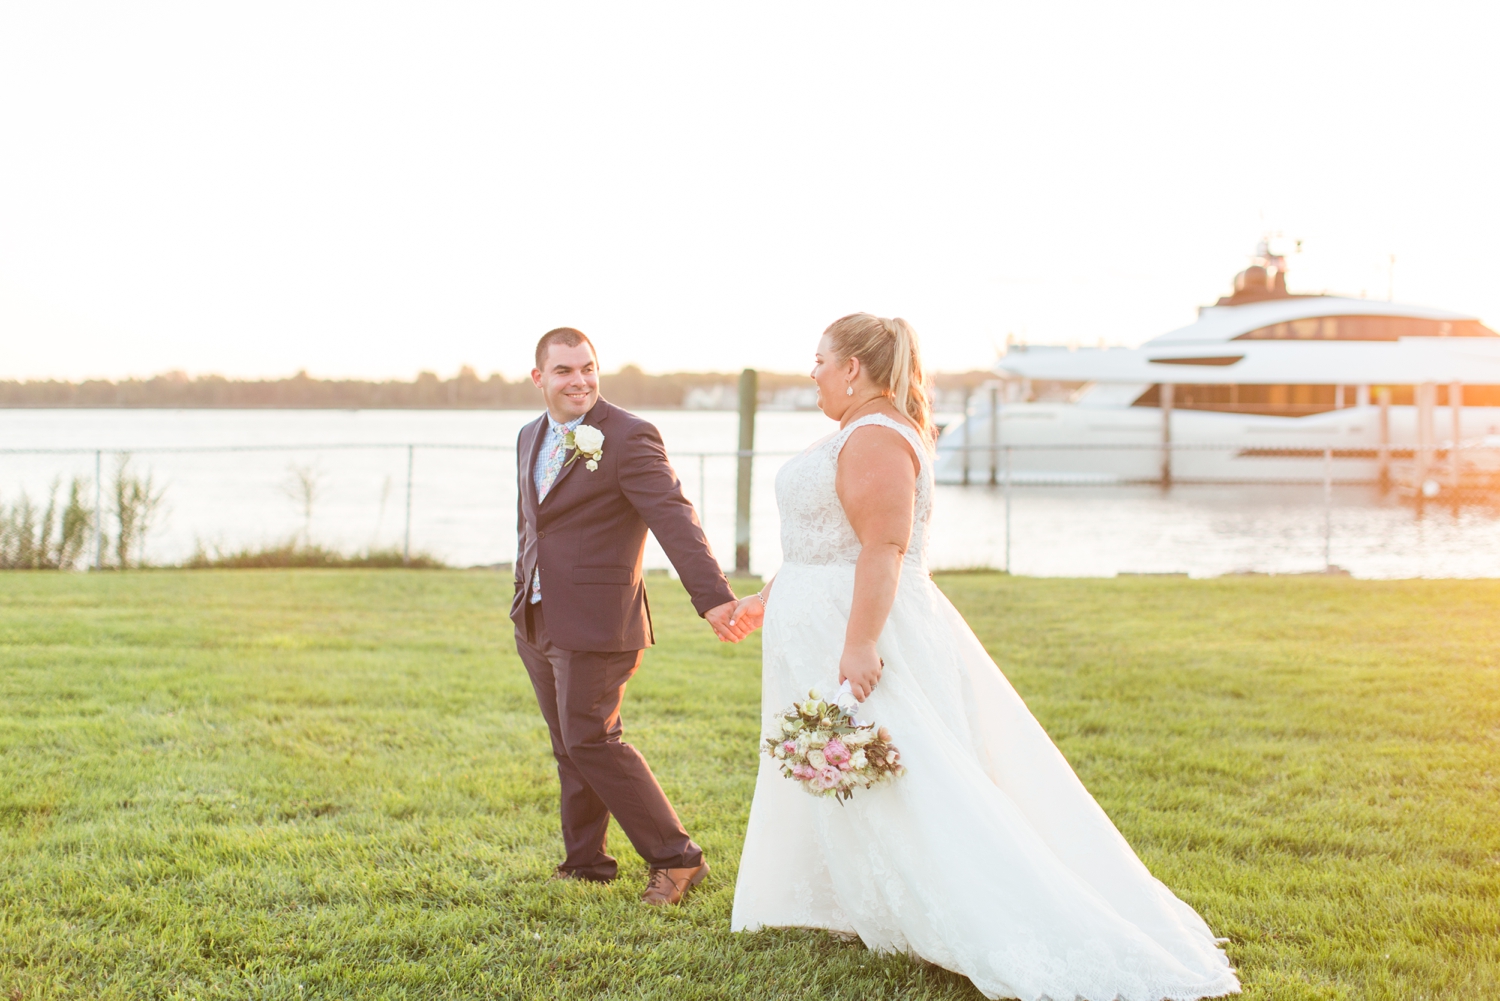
(848, 390)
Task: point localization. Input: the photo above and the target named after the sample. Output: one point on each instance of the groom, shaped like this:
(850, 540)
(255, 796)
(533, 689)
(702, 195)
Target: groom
(592, 479)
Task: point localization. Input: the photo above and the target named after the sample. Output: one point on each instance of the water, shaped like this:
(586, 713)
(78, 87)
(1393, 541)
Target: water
(1206, 531)
(463, 501)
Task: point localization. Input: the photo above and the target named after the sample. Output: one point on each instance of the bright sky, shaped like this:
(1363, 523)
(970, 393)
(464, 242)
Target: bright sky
(370, 189)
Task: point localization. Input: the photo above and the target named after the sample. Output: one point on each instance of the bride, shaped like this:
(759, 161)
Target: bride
(988, 857)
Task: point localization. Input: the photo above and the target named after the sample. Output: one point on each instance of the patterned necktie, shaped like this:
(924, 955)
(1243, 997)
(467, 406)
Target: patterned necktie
(550, 470)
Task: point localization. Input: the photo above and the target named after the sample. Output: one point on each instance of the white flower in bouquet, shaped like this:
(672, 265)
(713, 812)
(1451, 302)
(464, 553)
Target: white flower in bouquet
(816, 759)
(857, 760)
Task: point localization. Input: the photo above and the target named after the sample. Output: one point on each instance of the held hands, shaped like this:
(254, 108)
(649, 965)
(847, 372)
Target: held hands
(749, 613)
(734, 620)
(860, 666)
(725, 626)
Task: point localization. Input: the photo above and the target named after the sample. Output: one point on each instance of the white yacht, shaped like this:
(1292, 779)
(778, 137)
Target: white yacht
(1265, 386)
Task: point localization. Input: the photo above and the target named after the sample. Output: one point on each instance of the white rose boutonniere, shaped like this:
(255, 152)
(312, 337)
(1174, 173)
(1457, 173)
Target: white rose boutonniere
(587, 442)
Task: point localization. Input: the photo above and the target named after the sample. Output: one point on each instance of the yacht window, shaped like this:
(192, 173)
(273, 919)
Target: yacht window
(1215, 360)
(1366, 328)
(1473, 396)
(1279, 401)
(1469, 396)
(1299, 400)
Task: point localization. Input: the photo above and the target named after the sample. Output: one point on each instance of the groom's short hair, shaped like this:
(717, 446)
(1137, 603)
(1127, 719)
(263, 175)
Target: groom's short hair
(563, 335)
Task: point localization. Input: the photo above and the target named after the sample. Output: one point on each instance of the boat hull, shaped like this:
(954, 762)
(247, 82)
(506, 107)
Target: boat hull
(1068, 443)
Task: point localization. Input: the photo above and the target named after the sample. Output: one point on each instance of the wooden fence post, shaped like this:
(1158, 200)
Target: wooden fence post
(748, 391)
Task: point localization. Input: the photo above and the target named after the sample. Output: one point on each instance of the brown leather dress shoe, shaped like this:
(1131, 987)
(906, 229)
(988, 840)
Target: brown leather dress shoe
(668, 886)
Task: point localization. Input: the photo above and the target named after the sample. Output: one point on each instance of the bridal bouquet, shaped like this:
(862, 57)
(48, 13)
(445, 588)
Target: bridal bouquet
(822, 746)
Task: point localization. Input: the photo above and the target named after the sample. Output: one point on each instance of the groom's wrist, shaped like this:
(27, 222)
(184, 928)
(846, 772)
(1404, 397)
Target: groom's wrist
(703, 604)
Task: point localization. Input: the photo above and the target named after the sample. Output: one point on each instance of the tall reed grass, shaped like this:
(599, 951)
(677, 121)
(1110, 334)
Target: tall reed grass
(46, 538)
(61, 535)
(58, 536)
(137, 507)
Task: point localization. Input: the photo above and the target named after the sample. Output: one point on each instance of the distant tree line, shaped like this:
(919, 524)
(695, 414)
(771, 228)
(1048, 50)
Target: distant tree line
(629, 387)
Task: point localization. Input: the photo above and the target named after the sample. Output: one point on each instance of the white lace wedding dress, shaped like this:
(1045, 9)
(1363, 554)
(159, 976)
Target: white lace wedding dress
(988, 857)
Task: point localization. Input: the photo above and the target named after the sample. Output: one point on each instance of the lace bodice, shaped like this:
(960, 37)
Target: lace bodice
(814, 528)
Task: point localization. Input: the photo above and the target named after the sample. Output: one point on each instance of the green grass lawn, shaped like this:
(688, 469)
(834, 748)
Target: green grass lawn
(299, 784)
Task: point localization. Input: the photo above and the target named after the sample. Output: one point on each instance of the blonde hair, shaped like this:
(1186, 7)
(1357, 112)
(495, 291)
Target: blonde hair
(888, 353)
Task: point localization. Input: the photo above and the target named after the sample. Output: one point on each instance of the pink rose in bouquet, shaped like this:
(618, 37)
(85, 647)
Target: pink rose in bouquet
(835, 753)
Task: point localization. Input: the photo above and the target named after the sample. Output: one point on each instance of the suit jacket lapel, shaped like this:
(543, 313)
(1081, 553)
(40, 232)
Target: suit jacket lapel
(595, 417)
(528, 466)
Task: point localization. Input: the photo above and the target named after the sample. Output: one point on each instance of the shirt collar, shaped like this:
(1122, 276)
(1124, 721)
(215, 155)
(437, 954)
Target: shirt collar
(564, 428)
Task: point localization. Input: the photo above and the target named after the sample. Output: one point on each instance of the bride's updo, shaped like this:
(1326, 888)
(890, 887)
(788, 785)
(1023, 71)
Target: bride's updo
(888, 353)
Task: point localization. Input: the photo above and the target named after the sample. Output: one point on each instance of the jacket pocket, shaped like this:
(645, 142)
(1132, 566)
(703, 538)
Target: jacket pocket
(603, 575)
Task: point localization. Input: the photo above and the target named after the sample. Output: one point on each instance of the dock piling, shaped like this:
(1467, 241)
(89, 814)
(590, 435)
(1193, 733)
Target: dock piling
(1383, 397)
(749, 383)
(994, 434)
(1426, 394)
(1166, 434)
(1007, 509)
(968, 436)
(1456, 405)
